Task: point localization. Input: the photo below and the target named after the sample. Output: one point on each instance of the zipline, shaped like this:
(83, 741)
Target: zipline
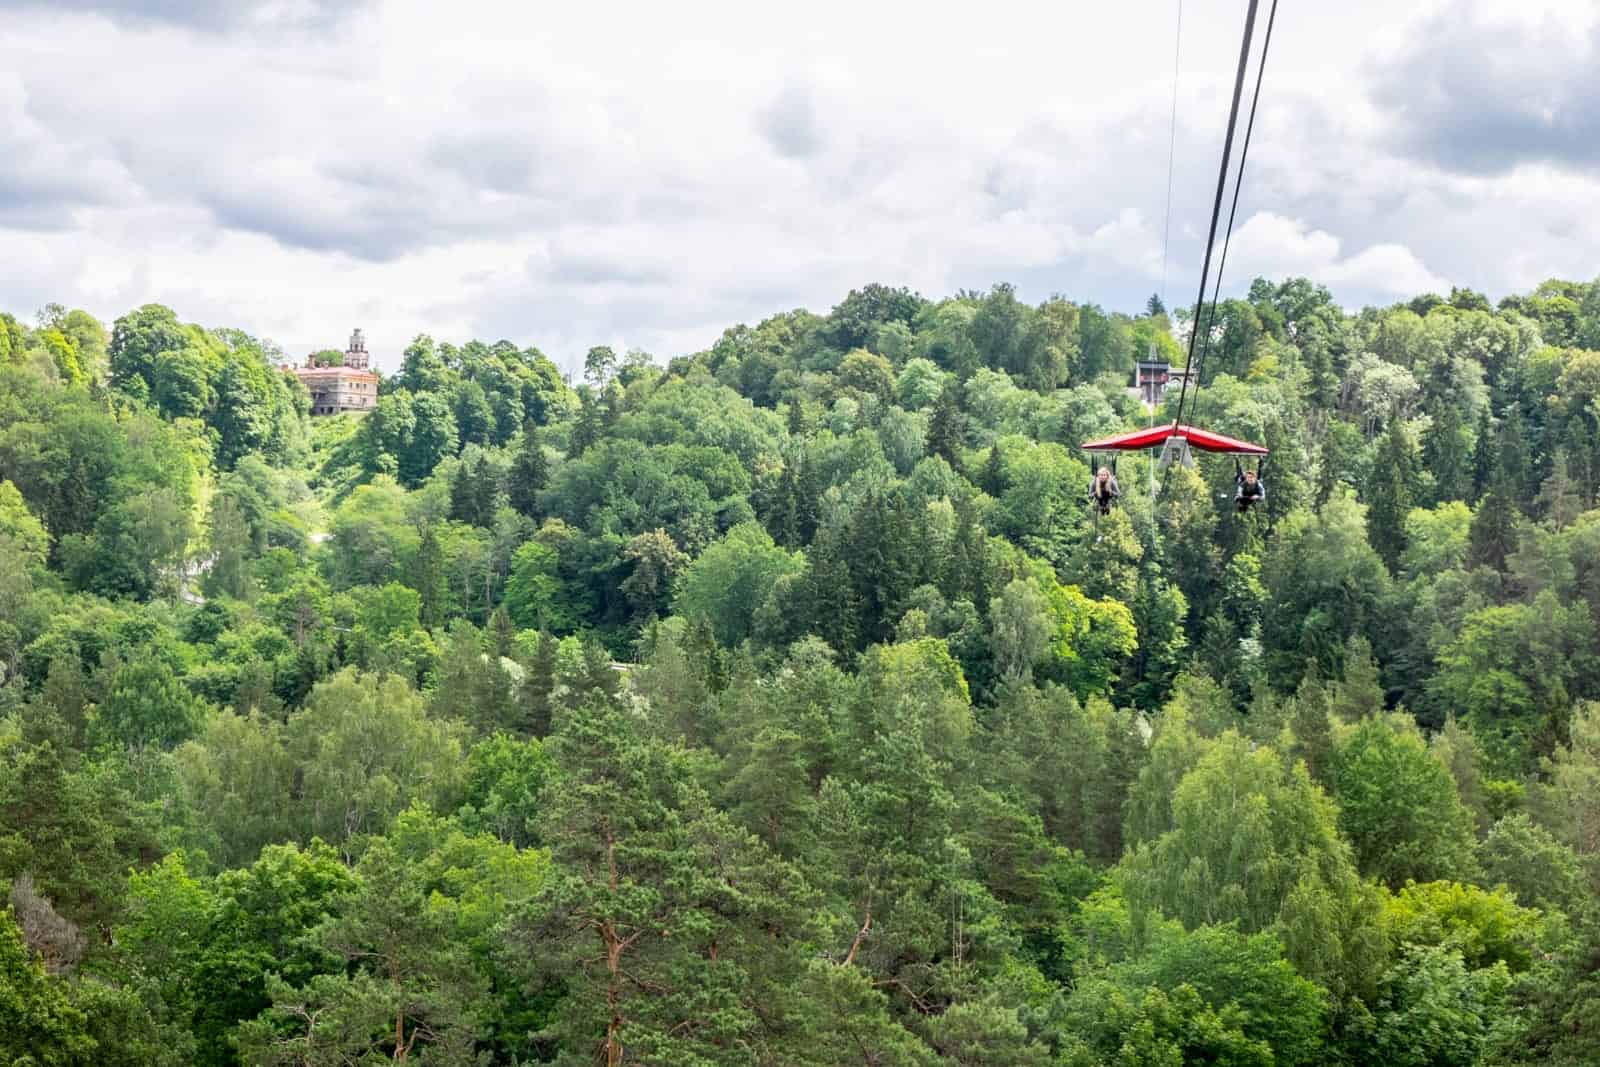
(1178, 438)
(1216, 206)
(1172, 145)
(1238, 184)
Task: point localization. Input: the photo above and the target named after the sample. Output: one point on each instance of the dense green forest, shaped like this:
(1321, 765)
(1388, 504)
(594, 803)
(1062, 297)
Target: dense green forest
(785, 704)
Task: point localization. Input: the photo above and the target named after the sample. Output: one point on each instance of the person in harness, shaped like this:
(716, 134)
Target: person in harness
(1248, 487)
(1103, 489)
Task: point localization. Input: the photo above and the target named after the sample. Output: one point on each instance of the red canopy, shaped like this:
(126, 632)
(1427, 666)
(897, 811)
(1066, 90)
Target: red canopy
(1204, 440)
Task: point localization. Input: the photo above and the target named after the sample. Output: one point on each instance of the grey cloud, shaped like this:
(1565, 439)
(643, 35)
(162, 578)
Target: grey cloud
(789, 124)
(1481, 100)
(504, 163)
(376, 205)
(43, 177)
(580, 269)
(208, 15)
(365, 222)
(19, 211)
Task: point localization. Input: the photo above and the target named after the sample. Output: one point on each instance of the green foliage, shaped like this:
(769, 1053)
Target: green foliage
(1399, 807)
(74, 827)
(39, 1024)
(1434, 1009)
(783, 703)
(731, 578)
(1212, 992)
(534, 592)
(1484, 928)
(25, 533)
(366, 750)
(1244, 834)
(1539, 870)
(409, 988)
(1324, 584)
(146, 705)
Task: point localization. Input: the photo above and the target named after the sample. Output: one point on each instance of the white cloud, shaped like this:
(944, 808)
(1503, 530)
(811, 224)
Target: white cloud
(649, 174)
(1274, 246)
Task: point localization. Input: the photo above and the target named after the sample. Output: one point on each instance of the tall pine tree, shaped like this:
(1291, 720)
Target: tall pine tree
(589, 425)
(1484, 457)
(538, 684)
(993, 478)
(797, 416)
(1393, 494)
(1559, 495)
(1515, 466)
(833, 609)
(429, 579)
(474, 492)
(1493, 535)
(1446, 456)
(530, 472)
(785, 522)
(946, 427)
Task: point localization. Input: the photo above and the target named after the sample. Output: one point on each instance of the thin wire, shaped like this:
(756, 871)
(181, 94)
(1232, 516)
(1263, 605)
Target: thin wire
(1166, 224)
(1238, 183)
(1216, 207)
(1172, 143)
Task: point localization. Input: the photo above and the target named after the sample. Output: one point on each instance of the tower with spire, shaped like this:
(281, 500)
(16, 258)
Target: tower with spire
(356, 355)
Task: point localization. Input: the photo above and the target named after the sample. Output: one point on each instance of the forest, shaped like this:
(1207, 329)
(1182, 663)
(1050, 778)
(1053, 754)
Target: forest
(787, 704)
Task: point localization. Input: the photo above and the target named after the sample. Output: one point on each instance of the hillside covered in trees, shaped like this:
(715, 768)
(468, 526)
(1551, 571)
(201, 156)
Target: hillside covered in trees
(785, 704)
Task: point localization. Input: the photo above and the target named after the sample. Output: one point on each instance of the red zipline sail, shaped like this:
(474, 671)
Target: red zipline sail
(1204, 440)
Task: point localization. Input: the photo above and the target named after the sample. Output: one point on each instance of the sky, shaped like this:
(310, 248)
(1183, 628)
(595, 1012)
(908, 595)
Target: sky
(647, 175)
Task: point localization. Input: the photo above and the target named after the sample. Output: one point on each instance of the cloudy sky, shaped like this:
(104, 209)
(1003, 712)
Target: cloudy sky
(645, 174)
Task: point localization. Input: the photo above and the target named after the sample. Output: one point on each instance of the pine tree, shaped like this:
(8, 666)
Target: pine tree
(808, 498)
(946, 432)
(1158, 610)
(1125, 753)
(881, 551)
(485, 492)
(1313, 733)
(538, 683)
(667, 924)
(700, 644)
(598, 678)
(797, 416)
(1514, 469)
(1445, 456)
(1484, 458)
(993, 478)
(463, 499)
(587, 428)
(785, 522)
(966, 577)
(1359, 694)
(1559, 496)
(1493, 535)
(1322, 376)
(502, 635)
(1393, 494)
(530, 472)
(833, 609)
(429, 579)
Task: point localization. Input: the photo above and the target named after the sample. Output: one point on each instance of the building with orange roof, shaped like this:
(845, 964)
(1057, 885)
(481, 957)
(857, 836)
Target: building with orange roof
(352, 386)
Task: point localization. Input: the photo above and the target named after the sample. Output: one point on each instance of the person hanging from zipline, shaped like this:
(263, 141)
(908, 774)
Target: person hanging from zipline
(1248, 487)
(1103, 489)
